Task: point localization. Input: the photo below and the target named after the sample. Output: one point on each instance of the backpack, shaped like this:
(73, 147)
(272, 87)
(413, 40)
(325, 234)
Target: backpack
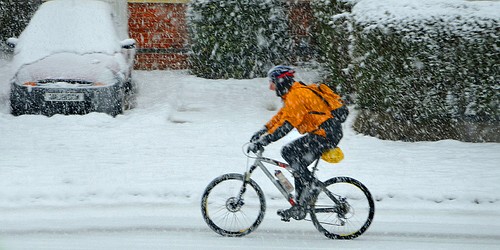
(332, 100)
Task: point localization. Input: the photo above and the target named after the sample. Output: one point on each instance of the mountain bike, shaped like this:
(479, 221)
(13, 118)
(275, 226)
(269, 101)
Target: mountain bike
(233, 204)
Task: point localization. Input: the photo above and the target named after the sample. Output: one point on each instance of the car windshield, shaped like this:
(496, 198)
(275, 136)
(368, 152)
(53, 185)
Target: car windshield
(71, 26)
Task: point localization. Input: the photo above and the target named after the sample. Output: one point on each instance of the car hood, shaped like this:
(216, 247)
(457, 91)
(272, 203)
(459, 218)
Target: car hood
(97, 67)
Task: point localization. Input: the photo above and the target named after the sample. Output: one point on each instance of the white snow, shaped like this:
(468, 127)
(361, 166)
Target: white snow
(394, 11)
(80, 27)
(100, 68)
(420, 20)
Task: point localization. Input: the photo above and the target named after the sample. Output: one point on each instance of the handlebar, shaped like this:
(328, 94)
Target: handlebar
(247, 153)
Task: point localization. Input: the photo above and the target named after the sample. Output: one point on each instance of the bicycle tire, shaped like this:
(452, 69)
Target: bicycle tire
(219, 212)
(357, 213)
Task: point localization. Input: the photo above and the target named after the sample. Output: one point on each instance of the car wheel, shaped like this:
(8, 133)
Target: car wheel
(118, 108)
(16, 108)
(15, 111)
(130, 100)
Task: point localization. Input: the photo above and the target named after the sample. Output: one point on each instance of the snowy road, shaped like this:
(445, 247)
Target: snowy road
(181, 227)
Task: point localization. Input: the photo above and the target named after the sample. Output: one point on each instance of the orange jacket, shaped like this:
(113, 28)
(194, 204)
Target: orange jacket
(303, 110)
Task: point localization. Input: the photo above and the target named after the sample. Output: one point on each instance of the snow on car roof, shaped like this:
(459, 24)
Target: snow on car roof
(67, 26)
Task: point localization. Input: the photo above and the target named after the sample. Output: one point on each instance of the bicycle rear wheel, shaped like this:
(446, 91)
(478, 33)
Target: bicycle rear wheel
(350, 216)
(228, 215)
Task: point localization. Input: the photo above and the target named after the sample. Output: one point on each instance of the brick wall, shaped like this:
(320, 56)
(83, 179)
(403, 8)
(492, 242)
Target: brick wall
(159, 27)
(300, 24)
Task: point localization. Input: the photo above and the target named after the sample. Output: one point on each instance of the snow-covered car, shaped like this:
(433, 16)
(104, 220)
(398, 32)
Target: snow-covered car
(70, 60)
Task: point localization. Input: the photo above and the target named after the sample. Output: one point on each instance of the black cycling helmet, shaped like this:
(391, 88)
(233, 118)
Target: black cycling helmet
(282, 77)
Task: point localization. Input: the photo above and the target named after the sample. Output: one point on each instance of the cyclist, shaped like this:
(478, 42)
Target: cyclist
(304, 110)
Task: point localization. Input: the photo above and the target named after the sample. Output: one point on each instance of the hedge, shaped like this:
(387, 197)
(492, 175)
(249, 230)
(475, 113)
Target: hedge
(333, 31)
(237, 38)
(14, 16)
(426, 72)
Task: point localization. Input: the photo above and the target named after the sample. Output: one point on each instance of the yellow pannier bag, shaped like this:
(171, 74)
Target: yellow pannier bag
(334, 155)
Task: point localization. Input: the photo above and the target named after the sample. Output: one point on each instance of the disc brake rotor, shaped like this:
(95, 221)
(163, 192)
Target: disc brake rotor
(233, 205)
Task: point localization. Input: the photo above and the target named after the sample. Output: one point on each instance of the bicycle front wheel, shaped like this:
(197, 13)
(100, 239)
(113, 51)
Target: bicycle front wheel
(345, 211)
(226, 211)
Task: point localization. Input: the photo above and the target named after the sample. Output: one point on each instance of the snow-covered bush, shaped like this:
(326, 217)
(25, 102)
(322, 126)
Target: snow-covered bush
(333, 24)
(237, 38)
(427, 70)
(14, 16)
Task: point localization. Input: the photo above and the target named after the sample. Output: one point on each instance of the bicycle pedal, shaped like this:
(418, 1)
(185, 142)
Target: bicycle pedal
(284, 214)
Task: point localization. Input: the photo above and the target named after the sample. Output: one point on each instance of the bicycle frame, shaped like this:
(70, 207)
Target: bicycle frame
(234, 204)
(259, 162)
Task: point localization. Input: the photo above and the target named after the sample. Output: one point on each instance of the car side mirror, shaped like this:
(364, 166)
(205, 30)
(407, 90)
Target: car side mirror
(12, 42)
(128, 43)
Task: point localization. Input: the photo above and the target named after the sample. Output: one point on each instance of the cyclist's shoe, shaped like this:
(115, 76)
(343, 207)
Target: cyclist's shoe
(284, 214)
(296, 212)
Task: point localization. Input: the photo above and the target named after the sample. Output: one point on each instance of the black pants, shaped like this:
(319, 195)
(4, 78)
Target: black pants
(303, 151)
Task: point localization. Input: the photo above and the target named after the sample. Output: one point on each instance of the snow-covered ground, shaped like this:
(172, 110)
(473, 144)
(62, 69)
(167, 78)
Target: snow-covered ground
(67, 174)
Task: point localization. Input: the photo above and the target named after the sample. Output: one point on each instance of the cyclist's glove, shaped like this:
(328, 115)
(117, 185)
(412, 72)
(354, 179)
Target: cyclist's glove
(259, 145)
(255, 147)
(258, 134)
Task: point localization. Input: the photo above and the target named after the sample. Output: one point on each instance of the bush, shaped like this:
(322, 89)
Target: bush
(237, 38)
(14, 16)
(426, 71)
(333, 26)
